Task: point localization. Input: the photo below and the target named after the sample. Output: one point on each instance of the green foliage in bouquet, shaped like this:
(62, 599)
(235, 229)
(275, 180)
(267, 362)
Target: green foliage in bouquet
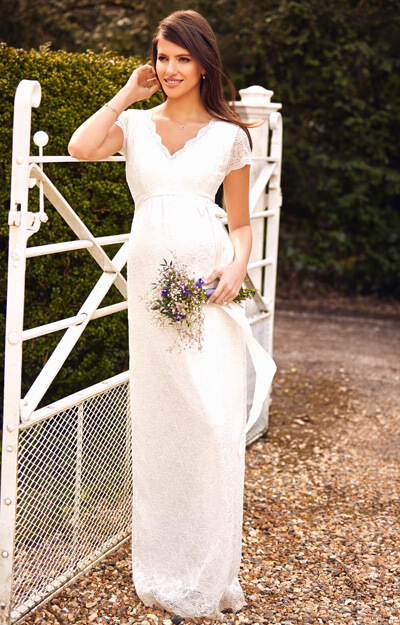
(176, 298)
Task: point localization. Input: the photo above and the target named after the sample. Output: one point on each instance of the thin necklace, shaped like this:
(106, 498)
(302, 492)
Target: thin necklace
(182, 126)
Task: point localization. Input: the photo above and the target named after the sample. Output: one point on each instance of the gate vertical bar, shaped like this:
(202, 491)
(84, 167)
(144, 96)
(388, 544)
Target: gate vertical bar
(78, 480)
(28, 95)
(274, 205)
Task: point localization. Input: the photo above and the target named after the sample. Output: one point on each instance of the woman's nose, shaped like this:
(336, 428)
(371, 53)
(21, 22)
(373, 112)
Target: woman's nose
(171, 68)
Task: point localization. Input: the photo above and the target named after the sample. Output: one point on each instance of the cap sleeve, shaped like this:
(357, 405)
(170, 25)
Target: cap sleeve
(240, 153)
(122, 122)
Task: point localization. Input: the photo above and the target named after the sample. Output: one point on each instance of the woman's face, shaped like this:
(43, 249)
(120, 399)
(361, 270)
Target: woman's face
(178, 71)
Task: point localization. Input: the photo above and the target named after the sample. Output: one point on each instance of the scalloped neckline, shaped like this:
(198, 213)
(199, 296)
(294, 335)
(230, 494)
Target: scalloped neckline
(203, 130)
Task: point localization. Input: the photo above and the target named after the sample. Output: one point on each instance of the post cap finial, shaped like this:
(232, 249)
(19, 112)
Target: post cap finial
(255, 96)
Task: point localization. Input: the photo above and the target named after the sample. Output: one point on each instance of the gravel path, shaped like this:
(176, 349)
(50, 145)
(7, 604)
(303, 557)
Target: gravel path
(322, 499)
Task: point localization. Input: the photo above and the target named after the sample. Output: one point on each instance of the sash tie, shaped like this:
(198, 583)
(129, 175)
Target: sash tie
(264, 366)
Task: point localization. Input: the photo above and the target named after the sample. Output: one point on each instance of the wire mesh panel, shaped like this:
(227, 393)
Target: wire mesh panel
(74, 493)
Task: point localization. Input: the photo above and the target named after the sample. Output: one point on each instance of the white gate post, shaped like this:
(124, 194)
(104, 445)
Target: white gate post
(256, 105)
(28, 95)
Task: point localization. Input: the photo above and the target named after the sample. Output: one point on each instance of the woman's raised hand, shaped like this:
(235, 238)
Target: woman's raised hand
(99, 137)
(142, 83)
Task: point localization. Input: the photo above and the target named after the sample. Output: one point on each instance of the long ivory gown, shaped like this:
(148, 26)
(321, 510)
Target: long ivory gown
(188, 407)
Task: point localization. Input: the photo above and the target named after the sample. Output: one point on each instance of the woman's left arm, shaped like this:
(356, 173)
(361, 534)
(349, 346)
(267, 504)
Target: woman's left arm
(236, 194)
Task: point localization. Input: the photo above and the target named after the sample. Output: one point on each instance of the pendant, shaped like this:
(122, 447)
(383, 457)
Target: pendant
(183, 127)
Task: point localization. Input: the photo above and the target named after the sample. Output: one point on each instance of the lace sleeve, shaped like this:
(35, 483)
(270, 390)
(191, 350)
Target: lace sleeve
(122, 122)
(240, 153)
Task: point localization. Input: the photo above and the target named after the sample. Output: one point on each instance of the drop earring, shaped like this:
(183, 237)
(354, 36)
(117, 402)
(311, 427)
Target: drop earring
(203, 76)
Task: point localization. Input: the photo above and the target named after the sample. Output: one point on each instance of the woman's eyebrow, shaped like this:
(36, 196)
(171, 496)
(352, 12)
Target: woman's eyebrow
(161, 53)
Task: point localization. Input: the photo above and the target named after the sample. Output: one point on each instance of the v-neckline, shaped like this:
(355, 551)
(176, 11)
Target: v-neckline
(153, 128)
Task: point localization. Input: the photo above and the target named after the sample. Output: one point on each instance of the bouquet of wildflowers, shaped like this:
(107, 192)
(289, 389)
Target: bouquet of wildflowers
(176, 298)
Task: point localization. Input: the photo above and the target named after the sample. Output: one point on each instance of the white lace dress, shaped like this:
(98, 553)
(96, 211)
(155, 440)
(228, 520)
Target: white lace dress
(188, 407)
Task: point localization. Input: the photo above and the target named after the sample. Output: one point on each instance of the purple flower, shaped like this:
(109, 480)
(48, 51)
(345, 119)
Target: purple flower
(209, 292)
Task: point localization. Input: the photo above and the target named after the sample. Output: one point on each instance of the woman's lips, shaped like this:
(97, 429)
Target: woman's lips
(172, 83)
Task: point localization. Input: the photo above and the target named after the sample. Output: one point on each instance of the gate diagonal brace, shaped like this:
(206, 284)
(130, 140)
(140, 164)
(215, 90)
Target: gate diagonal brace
(78, 227)
(71, 336)
(260, 184)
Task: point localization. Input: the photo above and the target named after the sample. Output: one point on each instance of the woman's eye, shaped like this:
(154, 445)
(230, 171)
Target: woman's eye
(185, 59)
(161, 58)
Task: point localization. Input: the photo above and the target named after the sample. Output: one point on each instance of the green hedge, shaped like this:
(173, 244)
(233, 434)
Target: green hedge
(73, 87)
(335, 66)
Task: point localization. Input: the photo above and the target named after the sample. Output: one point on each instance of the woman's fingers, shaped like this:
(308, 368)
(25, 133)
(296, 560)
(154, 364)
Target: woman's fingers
(224, 293)
(153, 88)
(140, 79)
(215, 274)
(230, 280)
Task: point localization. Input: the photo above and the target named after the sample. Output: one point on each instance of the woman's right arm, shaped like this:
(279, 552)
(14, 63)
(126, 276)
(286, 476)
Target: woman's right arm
(99, 137)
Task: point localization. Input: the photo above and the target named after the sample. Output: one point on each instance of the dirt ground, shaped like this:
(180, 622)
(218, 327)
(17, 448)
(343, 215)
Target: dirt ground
(344, 352)
(322, 489)
(332, 460)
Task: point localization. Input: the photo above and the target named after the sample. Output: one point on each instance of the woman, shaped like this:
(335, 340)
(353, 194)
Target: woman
(188, 406)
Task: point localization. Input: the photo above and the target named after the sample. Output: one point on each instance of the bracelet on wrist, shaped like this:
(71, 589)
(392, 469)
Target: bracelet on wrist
(112, 108)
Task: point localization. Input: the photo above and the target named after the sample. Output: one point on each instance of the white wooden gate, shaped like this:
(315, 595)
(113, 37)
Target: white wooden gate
(65, 472)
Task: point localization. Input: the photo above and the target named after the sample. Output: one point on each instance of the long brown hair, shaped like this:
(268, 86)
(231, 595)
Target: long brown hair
(190, 30)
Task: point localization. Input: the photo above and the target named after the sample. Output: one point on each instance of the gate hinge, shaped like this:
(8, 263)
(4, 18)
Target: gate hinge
(14, 218)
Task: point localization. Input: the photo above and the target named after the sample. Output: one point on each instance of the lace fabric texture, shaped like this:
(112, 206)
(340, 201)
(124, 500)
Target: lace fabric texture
(189, 406)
